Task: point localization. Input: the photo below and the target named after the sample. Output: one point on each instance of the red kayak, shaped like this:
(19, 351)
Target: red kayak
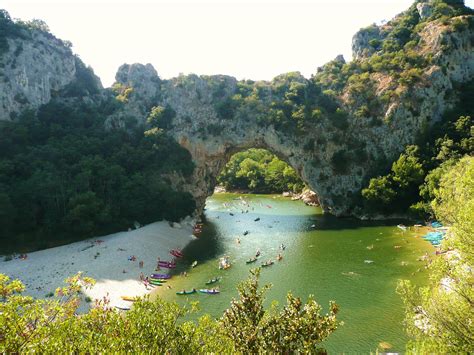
(167, 265)
(176, 253)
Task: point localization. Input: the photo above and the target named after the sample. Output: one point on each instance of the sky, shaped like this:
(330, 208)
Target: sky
(248, 39)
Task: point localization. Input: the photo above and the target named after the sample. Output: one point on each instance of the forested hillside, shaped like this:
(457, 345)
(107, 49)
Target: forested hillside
(259, 171)
(63, 176)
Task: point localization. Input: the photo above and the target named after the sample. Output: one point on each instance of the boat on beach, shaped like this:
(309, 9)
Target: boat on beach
(130, 298)
(160, 276)
(176, 253)
(167, 264)
(155, 283)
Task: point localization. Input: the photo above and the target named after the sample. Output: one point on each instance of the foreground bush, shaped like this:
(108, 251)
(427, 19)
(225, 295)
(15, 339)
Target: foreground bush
(51, 326)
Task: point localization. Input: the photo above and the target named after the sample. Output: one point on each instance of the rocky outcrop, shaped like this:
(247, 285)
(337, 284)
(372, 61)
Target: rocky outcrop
(364, 42)
(335, 152)
(425, 9)
(307, 196)
(36, 67)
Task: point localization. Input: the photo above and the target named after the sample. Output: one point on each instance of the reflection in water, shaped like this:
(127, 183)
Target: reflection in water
(324, 256)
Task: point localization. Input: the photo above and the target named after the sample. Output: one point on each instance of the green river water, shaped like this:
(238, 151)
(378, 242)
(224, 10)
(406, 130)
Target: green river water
(324, 256)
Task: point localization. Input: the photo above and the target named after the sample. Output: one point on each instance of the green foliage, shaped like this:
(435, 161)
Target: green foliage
(122, 91)
(418, 171)
(257, 170)
(85, 82)
(439, 316)
(51, 326)
(298, 327)
(399, 189)
(161, 117)
(340, 161)
(64, 177)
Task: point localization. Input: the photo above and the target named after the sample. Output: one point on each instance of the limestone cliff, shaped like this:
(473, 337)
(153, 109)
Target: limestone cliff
(34, 67)
(336, 129)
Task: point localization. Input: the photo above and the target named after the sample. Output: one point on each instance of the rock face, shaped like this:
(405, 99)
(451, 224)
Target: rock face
(425, 9)
(363, 42)
(36, 67)
(212, 137)
(214, 117)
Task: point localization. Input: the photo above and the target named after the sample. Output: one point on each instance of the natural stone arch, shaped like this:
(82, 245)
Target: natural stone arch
(365, 121)
(211, 139)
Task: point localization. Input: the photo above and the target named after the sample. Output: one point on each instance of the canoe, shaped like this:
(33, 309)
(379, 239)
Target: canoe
(267, 264)
(176, 254)
(166, 263)
(251, 260)
(209, 292)
(155, 283)
(161, 276)
(123, 308)
(402, 227)
(157, 279)
(130, 298)
(186, 292)
(212, 281)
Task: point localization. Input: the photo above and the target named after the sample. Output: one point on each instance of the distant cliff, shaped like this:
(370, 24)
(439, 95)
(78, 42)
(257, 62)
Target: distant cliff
(36, 66)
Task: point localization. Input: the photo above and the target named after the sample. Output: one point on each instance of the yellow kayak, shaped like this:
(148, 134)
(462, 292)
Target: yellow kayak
(130, 298)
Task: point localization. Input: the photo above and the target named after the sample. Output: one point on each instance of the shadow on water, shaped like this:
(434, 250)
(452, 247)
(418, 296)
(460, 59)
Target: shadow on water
(206, 247)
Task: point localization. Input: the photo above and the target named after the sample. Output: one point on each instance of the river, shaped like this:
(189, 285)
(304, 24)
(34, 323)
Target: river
(324, 256)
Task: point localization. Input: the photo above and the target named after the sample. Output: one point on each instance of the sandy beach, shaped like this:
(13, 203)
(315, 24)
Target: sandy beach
(103, 258)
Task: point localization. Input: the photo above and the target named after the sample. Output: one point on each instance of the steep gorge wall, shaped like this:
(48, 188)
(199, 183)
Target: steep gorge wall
(335, 139)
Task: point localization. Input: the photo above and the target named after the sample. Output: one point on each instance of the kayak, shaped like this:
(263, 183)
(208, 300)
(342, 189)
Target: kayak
(123, 308)
(402, 227)
(130, 298)
(212, 281)
(168, 265)
(157, 280)
(186, 292)
(176, 253)
(209, 292)
(251, 260)
(155, 283)
(161, 276)
(267, 264)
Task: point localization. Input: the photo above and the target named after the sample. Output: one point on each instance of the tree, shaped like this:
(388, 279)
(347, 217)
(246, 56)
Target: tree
(298, 327)
(440, 316)
(51, 326)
